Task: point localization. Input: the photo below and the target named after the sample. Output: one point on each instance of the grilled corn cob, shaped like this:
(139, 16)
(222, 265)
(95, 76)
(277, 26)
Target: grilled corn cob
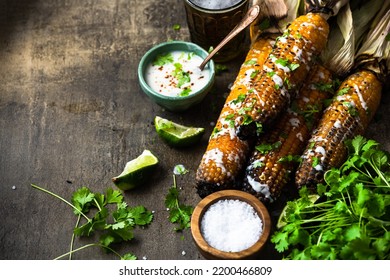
(349, 114)
(272, 161)
(226, 154)
(283, 73)
(352, 108)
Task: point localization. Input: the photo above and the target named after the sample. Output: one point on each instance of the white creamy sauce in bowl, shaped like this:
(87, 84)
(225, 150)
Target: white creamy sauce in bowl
(176, 73)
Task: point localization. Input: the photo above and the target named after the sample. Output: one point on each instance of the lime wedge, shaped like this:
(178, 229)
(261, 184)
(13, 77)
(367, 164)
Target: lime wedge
(177, 135)
(136, 171)
(281, 221)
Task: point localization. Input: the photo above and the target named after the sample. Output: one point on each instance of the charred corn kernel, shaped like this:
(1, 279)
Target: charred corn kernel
(282, 74)
(226, 154)
(349, 114)
(274, 158)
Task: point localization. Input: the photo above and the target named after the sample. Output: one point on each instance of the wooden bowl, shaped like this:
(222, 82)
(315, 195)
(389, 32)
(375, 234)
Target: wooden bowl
(210, 252)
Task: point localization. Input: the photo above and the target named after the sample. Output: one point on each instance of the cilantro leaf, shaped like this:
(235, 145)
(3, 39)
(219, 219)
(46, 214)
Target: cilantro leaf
(128, 257)
(113, 196)
(179, 214)
(163, 59)
(82, 199)
(266, 148)
(281, 241)
(112, 227)
(251, 62)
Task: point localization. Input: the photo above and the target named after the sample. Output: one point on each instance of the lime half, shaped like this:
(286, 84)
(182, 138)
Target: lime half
(281, 221)
(136, 171)
(177, 135)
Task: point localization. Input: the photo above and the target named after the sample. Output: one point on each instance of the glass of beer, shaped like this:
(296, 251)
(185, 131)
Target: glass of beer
(209, 21)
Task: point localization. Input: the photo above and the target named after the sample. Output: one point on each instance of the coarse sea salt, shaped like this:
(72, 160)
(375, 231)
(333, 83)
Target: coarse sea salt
(231, 225)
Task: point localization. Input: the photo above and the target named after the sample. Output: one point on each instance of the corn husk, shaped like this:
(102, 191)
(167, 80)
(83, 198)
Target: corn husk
(266, 23)
(339, 53)
(352, 23)
(374, 54)
(328, 8)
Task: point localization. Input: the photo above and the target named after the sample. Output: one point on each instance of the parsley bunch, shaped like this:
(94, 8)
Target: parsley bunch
(113, 227)
(351, 219)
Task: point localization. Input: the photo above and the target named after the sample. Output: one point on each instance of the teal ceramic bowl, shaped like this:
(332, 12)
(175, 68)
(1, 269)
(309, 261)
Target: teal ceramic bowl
(175, 103)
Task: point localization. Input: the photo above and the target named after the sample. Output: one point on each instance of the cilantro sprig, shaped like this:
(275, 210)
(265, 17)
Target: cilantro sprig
(113, 226)
(163, 59)
(179, 213)
(351, 218)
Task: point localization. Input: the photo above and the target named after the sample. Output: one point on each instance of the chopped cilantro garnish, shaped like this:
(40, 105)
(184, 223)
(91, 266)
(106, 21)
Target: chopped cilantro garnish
(254, 73)
(266, 148)
(351, 109)
(230, 119)
(271, 73)
(293, 66)
(257, 164)
(215, 131)
(291, 158)
(324, 87)
(250, 62)
(315, 161)
(181, 76)
(176, 27)
(247, 119)
(185, 92)
(163, 59)
(286, 63)
(343, 91)
(240, 98)
(281, 61)
(219, 68)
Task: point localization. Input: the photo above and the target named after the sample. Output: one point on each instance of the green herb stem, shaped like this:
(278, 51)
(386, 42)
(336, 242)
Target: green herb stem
(62, 199)
(73, 237)
(87, 246)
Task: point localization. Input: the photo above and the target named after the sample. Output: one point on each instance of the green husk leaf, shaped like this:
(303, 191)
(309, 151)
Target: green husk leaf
(375, 45)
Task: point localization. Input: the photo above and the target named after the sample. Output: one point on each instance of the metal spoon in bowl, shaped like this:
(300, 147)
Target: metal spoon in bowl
(250, 16)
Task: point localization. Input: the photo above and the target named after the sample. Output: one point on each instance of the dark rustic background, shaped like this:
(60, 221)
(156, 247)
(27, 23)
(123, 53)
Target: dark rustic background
(72, 114)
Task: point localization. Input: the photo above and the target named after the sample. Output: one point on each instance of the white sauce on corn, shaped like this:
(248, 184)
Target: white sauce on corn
(280, 66)
(318, 167)
(298, 53)
(282, 39)
(227, 128)
(294, 122)
(299, 136)
(267, 69)
(260, 188)
(320, 150)
(337, 124)
(277, 80)
(247, 81)
(216, 156)
(359, 94)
